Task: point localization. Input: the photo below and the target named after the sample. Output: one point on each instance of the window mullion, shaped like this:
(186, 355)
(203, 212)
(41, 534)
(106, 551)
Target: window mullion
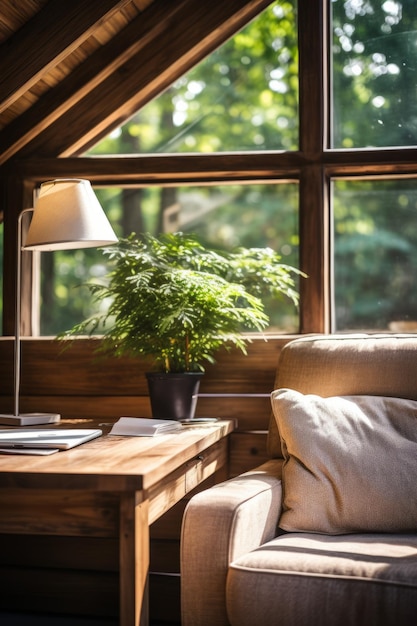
(314, 196)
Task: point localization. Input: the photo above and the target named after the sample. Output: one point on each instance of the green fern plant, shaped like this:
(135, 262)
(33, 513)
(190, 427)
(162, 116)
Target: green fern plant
(177, 302)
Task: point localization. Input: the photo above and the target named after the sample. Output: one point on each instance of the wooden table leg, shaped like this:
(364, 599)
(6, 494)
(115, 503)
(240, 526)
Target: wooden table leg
(134, 561)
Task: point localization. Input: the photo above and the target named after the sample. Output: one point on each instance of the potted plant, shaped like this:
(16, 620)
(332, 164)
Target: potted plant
(177, 302)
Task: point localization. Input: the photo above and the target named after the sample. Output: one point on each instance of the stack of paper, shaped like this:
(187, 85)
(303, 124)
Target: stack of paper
(144, 426)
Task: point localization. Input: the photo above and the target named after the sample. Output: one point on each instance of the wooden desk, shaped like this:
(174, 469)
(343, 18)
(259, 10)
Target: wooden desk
(111, 487)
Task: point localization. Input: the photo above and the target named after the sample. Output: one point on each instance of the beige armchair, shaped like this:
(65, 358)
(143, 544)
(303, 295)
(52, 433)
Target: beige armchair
(326, 532)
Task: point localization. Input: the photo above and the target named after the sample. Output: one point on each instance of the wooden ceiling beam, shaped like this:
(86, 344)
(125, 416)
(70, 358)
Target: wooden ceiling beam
(146, 27)
(45, 40)
(187, 37)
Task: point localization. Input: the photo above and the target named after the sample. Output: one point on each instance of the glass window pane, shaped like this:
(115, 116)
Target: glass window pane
(244, 96)
(222, 217)
(375, 255)
(374, 73)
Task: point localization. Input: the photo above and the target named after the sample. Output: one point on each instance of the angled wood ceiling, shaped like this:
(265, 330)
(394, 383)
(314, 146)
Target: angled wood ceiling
(71, 72)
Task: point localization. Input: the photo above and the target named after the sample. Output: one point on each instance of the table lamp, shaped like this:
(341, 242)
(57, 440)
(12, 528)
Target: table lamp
(67, 215)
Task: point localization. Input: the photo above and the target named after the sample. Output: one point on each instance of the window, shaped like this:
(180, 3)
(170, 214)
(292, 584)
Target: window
(223, 217)
(326, 144)
(375, 254)
(243, 97)
(374, 65)
(374, 87)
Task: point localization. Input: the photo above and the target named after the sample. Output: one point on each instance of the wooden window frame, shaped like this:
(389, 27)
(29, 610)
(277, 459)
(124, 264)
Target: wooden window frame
(313, 166)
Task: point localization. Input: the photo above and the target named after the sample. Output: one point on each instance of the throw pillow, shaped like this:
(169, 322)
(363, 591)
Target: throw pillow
(350, 462)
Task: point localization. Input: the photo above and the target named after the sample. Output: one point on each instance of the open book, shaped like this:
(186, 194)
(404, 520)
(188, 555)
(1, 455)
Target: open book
(144, 426)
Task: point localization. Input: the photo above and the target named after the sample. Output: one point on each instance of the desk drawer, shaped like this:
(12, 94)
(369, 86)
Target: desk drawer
(186, 478)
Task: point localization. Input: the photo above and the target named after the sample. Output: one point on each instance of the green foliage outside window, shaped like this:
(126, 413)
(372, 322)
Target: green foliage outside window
(220, 217)
(245, 97)
(376, 253)
(374, 98)
(374, 73)
(242, 97)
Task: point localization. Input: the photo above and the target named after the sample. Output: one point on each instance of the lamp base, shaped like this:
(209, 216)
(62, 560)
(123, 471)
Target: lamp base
(29, 419)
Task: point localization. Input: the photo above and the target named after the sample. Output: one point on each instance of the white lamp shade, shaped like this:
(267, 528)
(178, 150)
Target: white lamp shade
(68, 215)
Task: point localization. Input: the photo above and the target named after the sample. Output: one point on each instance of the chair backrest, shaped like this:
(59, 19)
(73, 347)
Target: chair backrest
(335, 365)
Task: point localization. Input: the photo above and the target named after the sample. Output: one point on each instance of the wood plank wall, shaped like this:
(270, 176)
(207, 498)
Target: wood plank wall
(78, 384)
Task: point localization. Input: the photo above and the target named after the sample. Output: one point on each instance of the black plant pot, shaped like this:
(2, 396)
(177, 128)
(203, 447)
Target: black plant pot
(173, 396)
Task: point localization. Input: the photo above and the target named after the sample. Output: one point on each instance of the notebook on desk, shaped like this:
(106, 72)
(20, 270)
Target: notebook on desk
(46, 439)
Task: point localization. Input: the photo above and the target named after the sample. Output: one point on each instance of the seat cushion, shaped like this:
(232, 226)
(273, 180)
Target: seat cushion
(301, 579)
(350, 462)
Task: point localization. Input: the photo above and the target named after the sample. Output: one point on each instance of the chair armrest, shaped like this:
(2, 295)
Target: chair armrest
(219, 525)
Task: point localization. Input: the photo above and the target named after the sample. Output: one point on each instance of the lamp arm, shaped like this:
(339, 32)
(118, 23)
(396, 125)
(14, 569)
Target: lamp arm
(17, 342)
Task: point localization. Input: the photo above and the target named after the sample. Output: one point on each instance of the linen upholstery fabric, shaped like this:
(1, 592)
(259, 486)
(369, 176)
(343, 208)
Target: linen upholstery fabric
(338, 473)
(316, 580)
(312, 580)
(345, 365)
(219, 525)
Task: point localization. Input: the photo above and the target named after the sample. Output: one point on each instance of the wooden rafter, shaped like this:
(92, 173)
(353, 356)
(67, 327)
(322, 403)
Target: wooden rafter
(48, 37)
(85, 77)
(185, 32)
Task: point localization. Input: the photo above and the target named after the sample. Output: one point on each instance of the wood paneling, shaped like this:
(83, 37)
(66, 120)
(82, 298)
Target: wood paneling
(54, 35)
(62, 591)
(50, 511)
(78, 553)
(164, 600)
(247, 450)
(15, 15)
(77, 383)
(61, 568)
